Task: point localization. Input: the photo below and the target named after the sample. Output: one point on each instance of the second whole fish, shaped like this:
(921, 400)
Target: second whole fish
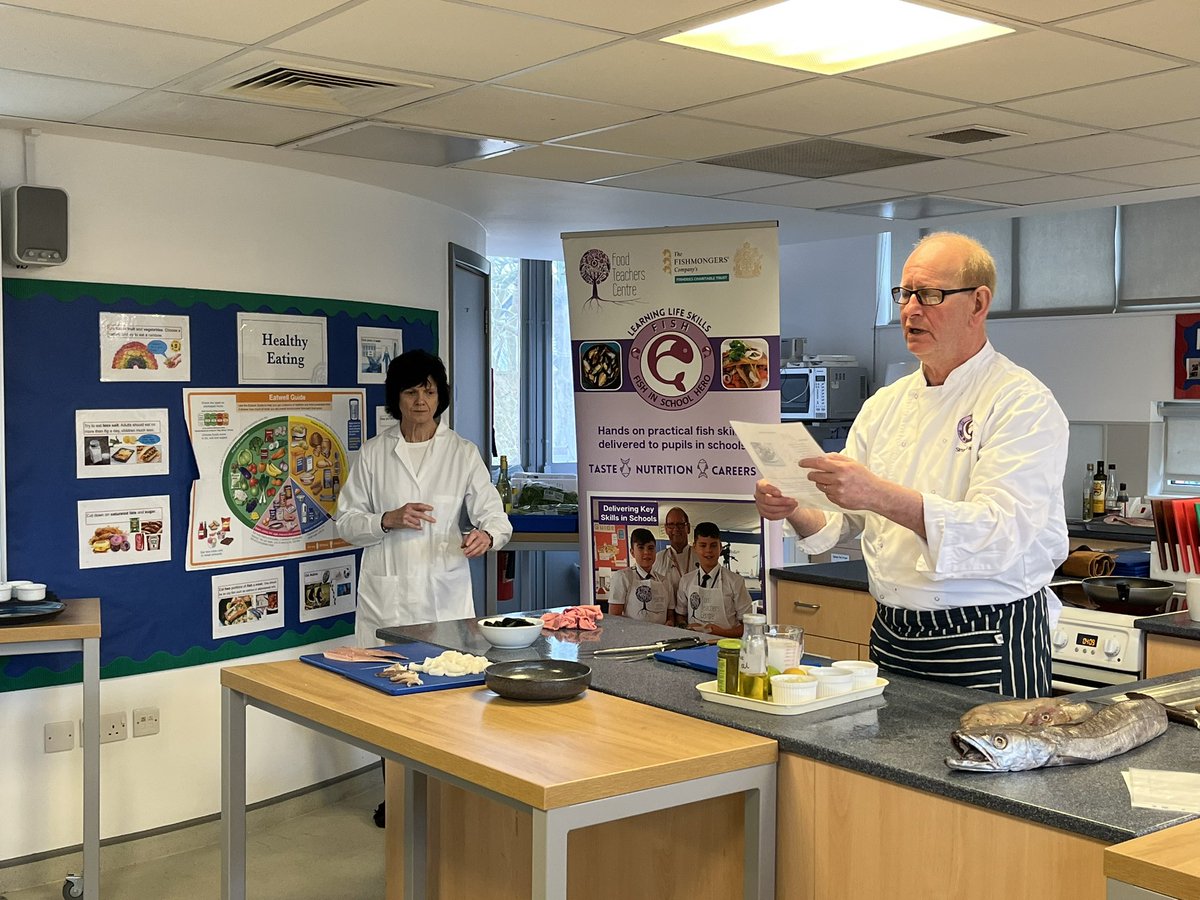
(1038, 711)
(1112, 731)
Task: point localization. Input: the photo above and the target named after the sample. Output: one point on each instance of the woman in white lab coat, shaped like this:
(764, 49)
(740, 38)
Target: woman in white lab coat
(402, 500)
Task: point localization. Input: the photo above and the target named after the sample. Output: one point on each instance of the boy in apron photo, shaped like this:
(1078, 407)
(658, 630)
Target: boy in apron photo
(637, 592)
(711, 599)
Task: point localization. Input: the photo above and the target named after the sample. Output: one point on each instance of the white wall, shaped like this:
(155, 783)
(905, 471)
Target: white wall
(827, 295)
(155, 217)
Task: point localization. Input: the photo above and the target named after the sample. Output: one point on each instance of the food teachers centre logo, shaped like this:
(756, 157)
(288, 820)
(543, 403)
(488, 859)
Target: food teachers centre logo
(671, 360)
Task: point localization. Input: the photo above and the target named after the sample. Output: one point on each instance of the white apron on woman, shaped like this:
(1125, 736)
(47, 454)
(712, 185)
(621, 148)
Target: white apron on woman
(409, 576)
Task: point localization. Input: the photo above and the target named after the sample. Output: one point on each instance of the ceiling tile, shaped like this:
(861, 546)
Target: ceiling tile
(1044, 190)
(1096, 151)
(226, 20)
(813, 194)
(697, 179)
(1015, 65)
(1040, 10)
(509, 113)
(1186, 132)
(441, 37)
(654, 75)
(913, 135)
(679, 137)
(562, 164)
(56, 99)
(95, 51)
(1168, 173)
(1130, 103)
(625, 16)
(163, 112)
(826, 106)
(935, 176)
(1168, 26)
(916, 208)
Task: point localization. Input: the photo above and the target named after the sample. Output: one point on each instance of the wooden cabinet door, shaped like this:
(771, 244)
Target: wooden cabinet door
(827, 612)
(1168, 655)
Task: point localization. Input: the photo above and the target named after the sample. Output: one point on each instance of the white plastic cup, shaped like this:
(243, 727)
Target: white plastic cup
(1193, 599)
(865, 672)
(832, 681)
(793, 688)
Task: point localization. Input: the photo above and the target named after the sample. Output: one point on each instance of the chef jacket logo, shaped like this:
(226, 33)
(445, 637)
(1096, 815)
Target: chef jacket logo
(966, 429)
(672, 363)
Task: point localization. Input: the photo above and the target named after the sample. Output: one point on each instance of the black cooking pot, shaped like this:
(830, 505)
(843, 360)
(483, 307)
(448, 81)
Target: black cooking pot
(1133, 591)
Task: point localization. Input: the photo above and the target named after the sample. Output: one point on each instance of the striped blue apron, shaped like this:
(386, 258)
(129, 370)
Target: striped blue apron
(1004, 647)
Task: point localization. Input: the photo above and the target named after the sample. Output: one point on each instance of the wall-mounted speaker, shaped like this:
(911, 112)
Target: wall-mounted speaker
(35, 225)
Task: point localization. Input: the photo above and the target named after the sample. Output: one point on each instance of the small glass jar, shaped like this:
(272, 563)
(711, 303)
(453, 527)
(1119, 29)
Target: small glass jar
(728, 650)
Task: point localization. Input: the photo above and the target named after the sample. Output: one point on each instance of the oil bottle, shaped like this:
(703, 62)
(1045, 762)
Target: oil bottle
(752, 660)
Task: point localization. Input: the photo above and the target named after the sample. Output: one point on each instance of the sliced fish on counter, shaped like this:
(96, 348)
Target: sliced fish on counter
(1038, 711)
(1110, 732)
(361, 654)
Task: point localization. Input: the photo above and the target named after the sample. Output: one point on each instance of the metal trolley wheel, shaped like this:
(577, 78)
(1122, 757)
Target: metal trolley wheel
(73, 887)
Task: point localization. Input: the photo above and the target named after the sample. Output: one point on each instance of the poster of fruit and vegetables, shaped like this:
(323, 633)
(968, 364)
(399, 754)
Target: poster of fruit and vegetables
(115, 443)
(144, 348)
(674, 332)
(124, 531)
(271, 463)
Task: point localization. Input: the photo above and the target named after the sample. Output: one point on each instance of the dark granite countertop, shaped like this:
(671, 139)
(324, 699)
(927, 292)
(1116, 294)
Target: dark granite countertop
(851, 574)
(1176, 624)
(901, 736)
(1100, 530)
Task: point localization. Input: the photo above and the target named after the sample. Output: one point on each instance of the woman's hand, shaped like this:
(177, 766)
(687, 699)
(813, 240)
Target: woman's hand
(476, 543)
(410, 515)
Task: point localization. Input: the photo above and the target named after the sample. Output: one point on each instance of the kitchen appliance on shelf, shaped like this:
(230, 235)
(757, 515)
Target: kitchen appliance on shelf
(822, 388)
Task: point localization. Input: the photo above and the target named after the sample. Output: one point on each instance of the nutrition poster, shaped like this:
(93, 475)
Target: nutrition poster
(674, 332)
(144, 348)
(274, 349)
(246, 602)
(124, 531)
(272, 463)
(113, 443)
(327, 587)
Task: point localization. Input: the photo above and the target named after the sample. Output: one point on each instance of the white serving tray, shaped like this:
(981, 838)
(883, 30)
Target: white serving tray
(708, 691)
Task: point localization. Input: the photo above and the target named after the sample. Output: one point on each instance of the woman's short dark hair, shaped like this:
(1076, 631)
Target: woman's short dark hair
(412, 369)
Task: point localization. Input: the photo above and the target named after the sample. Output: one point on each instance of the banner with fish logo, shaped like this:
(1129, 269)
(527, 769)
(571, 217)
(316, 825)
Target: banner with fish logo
(674, 332)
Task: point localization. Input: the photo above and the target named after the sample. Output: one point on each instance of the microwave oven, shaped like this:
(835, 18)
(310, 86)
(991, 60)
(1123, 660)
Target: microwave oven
(822, 392)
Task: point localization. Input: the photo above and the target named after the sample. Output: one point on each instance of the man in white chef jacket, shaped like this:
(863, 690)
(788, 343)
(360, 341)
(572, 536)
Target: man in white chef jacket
(955, 477)
(677, 558)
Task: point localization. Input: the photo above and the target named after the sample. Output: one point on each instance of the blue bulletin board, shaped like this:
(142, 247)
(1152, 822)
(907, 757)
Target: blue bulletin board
(155, 616)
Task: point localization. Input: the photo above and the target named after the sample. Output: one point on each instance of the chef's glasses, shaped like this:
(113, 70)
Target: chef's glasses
(926, 296)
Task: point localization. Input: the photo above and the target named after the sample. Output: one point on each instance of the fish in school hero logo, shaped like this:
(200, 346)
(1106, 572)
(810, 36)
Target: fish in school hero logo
(671, 362)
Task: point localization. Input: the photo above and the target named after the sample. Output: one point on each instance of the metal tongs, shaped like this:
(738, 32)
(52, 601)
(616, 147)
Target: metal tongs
(646, 650)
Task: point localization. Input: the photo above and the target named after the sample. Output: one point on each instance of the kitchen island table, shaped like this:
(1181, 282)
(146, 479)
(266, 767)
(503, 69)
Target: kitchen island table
(866, 805)
(554, 768)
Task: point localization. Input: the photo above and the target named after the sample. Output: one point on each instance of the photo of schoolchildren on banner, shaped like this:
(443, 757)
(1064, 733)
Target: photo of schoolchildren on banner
(674, 333)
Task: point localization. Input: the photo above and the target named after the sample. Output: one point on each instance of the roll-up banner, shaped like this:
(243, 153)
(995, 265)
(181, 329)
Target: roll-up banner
(674, 332)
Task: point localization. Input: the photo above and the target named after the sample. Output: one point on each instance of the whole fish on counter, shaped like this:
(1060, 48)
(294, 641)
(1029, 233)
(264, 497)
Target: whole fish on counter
(1112, 731)
(1038, 711)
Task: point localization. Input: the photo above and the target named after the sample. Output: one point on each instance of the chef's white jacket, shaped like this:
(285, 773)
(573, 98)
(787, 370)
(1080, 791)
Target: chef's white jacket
(410, 576)
(987, 450)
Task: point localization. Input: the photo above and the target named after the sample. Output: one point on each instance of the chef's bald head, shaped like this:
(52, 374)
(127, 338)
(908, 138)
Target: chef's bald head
(976, 266)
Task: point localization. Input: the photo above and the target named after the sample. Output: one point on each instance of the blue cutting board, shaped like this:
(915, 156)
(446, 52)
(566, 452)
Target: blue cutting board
(367, 673)
(704, 658)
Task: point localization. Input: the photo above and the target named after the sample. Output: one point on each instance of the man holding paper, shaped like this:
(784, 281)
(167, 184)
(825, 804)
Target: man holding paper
(953, 476)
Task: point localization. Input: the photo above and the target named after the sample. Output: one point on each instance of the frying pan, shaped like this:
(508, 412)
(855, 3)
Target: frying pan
(1133, 591)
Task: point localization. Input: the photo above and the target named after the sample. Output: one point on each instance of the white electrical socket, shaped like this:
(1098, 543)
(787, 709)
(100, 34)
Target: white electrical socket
(113, 727)
(58, 736)
(145, 721)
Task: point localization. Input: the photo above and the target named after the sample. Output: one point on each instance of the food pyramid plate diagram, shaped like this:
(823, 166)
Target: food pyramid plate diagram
(283, 475)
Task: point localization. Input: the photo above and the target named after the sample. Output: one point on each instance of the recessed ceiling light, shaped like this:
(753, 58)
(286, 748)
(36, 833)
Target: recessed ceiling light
(832, 36)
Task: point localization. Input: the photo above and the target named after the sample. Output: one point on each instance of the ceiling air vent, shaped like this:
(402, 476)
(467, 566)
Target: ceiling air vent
(817, 158)
(973, 134)
(326, 90)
